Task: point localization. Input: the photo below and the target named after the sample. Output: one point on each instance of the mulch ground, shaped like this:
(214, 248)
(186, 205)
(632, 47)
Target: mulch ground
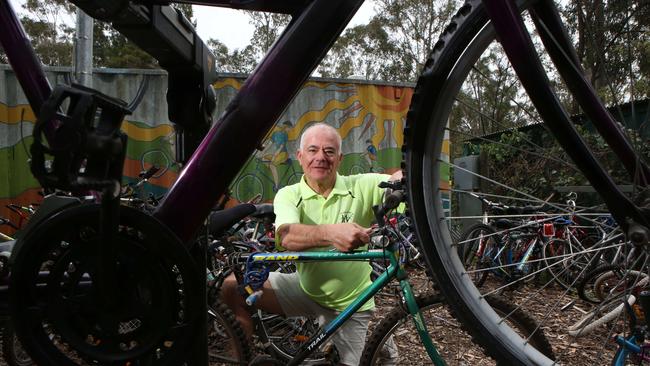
(543, 304)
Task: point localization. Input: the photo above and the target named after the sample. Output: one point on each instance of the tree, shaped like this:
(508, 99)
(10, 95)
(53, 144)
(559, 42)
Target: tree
(112, 49)
(237, 60)
(267, 29)
(612, 45)
(50, 34)
(49, 23)
(394, 45)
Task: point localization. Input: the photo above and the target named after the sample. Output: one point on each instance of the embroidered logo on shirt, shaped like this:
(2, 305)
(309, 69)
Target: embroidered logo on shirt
(346, 216)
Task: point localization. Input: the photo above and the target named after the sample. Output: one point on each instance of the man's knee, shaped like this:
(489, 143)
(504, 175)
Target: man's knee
(229, 292)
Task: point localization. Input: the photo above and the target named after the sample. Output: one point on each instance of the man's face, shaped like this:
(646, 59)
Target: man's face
(320, 157)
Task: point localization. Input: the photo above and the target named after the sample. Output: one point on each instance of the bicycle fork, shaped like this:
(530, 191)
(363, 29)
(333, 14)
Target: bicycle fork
(420, 325)
(527, 254)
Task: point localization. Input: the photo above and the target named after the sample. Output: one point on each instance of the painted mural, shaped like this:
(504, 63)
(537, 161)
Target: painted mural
(150, 134)
(369, 117)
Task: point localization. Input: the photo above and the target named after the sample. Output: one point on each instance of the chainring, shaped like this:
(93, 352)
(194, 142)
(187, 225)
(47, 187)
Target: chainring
(61, 315)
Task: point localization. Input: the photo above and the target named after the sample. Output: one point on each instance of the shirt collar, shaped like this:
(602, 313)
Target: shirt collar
(340, 188)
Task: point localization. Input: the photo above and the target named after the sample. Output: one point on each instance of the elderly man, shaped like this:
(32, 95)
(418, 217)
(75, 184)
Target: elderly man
(323, 211)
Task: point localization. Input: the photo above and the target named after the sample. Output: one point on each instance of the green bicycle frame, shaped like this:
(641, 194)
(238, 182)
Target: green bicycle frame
(394, 270)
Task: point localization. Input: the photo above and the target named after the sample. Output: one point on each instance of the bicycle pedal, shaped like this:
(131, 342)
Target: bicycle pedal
(332, 354)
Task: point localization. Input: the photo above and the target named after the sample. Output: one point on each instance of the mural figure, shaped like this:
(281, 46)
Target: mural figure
(279, 140)
(371, 154)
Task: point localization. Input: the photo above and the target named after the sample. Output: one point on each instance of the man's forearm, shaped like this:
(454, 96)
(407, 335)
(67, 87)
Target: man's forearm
(297, 237)
(344, 237)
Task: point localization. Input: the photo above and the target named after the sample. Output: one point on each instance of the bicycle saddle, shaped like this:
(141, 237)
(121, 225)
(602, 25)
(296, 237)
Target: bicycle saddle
(264, 211)
(506, 224)
(218, 221)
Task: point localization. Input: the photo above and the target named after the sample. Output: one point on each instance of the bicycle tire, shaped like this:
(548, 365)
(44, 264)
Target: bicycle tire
(585, 286)
(12, 351)
(565, 275)
(227, 342)
(45, 333)
(602, 289)
(356, 169)
(437, 97)
(433, 307)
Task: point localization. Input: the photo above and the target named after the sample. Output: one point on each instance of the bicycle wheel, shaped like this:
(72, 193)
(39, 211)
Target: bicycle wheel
(54, 299)
(248, 187)
(394, 341)
(285, 336)
(155, 157)
(226, 340)
(12, 351)
(563, 266)
(523, 166)
(479, 249)
(586, 286)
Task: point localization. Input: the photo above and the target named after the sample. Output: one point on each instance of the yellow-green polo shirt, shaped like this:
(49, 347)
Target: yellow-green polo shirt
(332, 284)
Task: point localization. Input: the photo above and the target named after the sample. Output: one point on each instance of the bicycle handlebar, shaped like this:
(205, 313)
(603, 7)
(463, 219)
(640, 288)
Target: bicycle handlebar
(394, 196)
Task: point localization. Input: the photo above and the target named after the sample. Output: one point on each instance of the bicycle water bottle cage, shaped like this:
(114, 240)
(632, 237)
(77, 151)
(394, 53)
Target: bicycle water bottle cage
(84, 142)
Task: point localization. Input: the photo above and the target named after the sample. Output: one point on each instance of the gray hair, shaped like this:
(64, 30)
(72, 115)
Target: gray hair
(321, 125)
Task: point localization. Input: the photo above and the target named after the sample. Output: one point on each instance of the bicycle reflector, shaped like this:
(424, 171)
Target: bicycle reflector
(549, 229)
(84, 148)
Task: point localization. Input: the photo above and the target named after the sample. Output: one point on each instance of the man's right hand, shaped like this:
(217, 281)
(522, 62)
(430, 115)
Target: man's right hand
(346, 237)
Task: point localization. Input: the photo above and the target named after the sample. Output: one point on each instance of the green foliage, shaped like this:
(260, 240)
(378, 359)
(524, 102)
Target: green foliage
(267, 28)
(394, 45)
(52, 44)
(112, 49)
(513, 161)
(49, 23)
(612, 44)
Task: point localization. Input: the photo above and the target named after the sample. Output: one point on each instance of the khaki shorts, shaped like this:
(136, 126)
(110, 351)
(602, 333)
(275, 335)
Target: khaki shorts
(349, 339)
